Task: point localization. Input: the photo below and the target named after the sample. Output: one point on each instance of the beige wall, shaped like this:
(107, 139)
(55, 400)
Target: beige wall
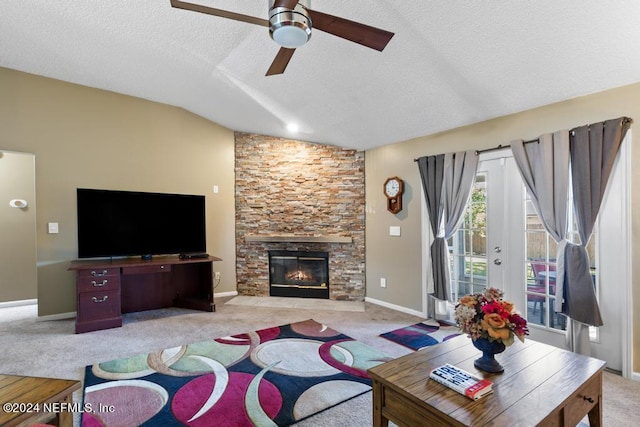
(398, 258)
(85, 137)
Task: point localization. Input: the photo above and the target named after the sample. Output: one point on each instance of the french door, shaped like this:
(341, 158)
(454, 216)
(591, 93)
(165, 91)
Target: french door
(501, 243)
(476, 250)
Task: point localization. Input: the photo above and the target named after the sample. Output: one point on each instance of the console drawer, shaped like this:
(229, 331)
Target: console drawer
(97, 273)
(98, 305)
(95, 284)
(146, 269)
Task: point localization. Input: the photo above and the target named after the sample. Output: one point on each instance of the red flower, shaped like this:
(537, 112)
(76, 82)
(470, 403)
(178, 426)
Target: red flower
(496, 307)
(520, 325)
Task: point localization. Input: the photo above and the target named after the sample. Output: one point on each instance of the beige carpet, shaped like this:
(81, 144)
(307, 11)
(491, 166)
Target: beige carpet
(297, 303)
(51, 349)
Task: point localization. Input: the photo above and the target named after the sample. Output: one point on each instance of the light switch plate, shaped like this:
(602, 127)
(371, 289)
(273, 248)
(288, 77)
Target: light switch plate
(53, 227)
(394, 230)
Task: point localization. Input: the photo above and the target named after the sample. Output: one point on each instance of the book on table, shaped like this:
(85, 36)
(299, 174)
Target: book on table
(461, 381)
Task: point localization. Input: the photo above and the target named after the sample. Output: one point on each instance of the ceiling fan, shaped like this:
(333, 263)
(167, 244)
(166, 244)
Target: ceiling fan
(290, 23)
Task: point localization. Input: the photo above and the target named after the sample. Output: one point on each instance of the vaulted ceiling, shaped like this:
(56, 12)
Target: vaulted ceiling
(450, 63)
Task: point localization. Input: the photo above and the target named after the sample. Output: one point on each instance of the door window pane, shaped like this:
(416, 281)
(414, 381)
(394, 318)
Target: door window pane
(540, 282)
(468, 247)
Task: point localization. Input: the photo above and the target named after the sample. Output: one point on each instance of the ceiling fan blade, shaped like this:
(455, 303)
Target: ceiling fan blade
(368, 36)
(281, 61)
(289, 4)
(219, 12)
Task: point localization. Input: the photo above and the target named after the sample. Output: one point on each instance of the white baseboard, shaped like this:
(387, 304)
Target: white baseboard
(59, 316)
(395, 307)
(225, 294)
(18, 303)
(635, 376)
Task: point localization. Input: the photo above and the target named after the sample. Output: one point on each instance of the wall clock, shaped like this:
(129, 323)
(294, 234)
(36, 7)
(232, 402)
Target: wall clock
(393, 189)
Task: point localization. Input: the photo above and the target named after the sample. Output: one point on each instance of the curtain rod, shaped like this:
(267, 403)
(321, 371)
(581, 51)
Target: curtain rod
(625, 120)
(502, 147)
(499, 147)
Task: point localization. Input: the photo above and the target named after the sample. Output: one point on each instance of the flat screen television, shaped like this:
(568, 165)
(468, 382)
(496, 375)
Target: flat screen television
(128, 223)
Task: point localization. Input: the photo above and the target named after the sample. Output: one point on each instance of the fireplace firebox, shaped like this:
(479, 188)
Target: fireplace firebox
(299, 274)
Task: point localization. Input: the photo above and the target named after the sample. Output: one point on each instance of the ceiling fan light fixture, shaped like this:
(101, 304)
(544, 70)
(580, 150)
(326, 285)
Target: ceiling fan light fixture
(290, 24)
(289, 28)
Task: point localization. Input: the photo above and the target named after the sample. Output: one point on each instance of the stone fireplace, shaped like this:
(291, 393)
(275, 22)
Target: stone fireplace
(299, 274)
(301, 197)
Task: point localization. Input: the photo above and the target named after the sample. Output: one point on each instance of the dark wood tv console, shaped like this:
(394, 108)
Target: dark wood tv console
(108, 288)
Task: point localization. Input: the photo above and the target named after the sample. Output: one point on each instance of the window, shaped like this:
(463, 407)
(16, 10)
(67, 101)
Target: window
(468, 247)
(541, 266)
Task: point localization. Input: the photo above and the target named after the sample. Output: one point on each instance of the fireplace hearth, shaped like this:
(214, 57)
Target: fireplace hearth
(299, 274)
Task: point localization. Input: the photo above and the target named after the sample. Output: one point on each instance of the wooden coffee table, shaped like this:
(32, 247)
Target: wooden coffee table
(541, 385)
(27, 400)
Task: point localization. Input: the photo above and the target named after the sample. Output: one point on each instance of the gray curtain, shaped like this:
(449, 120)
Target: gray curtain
(593, 151)
(545, 170)
(544, 167)
(432, 174)
(446, 180)
(459, 174)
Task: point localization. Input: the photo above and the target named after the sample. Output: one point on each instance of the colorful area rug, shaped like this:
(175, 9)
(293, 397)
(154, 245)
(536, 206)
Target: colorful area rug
(424, 334)
(271, 377)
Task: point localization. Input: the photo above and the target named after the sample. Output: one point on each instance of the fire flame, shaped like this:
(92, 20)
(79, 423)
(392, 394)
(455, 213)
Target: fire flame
(299, 275)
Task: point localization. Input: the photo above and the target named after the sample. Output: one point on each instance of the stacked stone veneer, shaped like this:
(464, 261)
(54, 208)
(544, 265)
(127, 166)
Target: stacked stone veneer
(286, 187)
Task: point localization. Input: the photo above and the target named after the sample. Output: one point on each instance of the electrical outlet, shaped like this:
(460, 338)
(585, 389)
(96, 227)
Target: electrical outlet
(383, 282)
(216, 275)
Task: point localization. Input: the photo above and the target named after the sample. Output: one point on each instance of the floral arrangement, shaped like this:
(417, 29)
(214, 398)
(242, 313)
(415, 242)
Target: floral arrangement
(487, 315)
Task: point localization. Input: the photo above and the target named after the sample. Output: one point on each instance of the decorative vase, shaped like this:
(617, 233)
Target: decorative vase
(489, 349)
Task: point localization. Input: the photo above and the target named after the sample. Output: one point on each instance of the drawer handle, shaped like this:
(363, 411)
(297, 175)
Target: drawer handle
(99, 285)
(588, 399)
(96, 274)
(103, 299)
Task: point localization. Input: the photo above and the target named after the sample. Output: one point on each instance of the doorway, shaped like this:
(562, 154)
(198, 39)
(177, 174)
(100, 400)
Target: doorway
(18, 270)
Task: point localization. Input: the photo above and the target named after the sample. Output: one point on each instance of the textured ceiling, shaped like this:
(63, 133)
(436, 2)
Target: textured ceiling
(450, 63)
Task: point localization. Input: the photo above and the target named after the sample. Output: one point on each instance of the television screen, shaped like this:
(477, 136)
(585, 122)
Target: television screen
(124, 223)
